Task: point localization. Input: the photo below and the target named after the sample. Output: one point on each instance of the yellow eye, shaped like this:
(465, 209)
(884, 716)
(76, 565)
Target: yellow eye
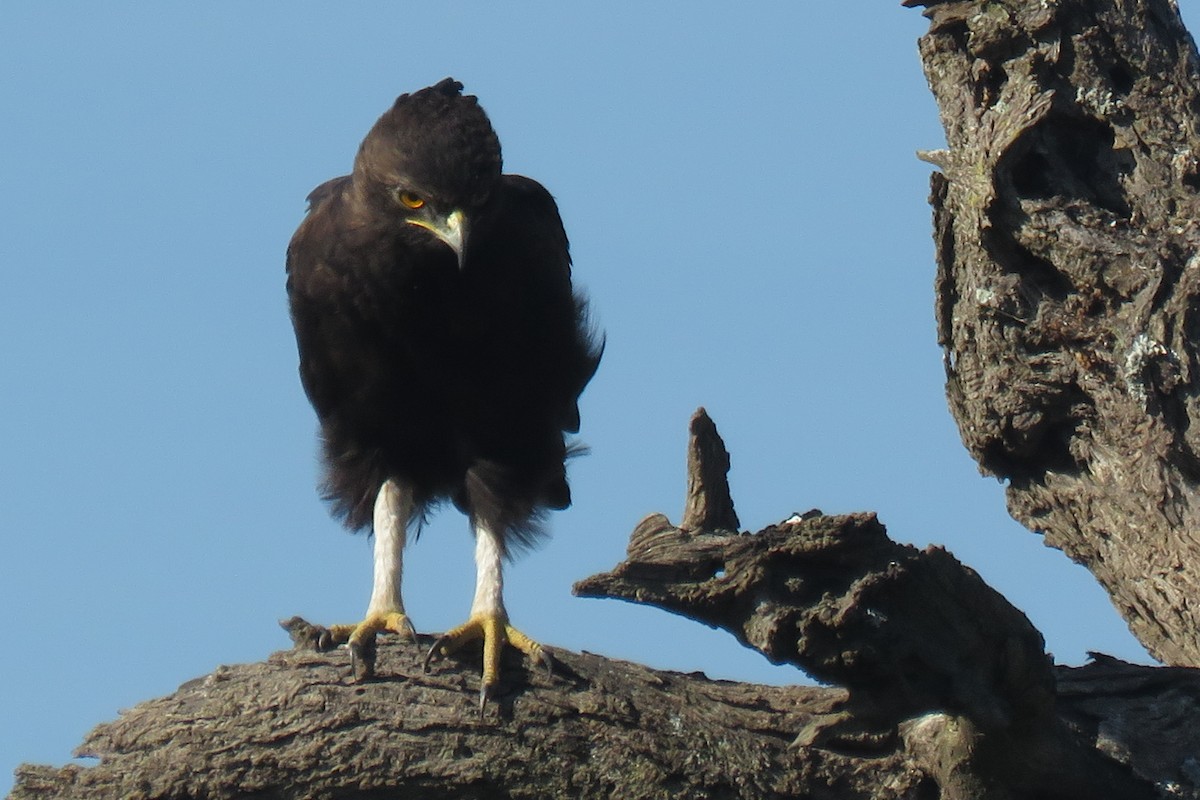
(410, 200)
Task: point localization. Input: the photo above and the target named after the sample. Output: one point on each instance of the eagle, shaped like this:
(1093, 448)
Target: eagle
(444, 348)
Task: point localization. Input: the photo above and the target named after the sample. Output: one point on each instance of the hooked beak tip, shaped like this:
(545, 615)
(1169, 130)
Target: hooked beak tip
(455, 234)
(452, 230)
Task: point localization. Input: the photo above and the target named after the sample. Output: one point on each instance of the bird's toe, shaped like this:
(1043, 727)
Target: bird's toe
(495, 633)
(359, 639)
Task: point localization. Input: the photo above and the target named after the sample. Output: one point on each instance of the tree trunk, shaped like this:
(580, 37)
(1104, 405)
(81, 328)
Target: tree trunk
(1065, 225)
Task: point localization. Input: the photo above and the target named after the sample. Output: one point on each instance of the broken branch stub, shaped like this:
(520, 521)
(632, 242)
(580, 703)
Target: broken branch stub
(709, 505)
(936, 663)
(904, 630)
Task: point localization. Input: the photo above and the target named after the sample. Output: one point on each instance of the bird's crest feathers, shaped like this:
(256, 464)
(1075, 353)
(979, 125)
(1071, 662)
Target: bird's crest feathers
(436, 142)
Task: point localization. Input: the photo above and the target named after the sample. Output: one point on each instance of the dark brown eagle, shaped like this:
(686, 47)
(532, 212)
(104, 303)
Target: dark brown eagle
(444, 350)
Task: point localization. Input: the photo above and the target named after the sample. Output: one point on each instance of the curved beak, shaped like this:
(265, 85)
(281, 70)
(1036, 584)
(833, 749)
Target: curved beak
(451, 229)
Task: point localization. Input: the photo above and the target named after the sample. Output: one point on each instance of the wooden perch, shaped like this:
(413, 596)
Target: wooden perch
(297, 726)
(947, 694)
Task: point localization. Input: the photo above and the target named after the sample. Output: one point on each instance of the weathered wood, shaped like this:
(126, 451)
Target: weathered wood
(298, 727)
(938, 665)
(949, 696)
(948, 693)
(709, 505)
(1067, 225)
(1147, 717)
(906, 631)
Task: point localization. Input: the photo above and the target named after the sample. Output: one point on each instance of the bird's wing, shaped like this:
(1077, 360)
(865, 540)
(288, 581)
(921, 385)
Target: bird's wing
(315, 286)
(535, 259)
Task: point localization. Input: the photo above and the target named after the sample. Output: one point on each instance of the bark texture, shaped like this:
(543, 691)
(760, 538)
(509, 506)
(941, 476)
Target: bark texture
(298, 726)
(709, 505)
(948, 694)
(1067, 225)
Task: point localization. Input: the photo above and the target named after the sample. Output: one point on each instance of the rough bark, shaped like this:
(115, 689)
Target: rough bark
(1067, 225)
(709, 505)
(948, 693)
(297, 726)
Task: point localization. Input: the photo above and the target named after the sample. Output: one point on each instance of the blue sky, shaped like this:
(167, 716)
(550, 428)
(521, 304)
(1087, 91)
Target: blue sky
(745, 209)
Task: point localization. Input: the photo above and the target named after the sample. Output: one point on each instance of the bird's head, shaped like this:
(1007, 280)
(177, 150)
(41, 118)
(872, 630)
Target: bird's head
(431, 161)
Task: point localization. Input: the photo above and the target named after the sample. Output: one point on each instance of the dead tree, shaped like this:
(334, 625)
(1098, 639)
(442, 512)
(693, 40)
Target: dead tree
(1066, 232)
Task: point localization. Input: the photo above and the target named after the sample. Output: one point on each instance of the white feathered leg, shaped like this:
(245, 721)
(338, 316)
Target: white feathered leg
(393, 507)
(385, 611)
(489, 619)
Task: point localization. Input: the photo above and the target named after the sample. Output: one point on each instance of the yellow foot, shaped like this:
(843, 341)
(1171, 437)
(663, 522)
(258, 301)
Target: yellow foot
(361, 639)
(495, 632)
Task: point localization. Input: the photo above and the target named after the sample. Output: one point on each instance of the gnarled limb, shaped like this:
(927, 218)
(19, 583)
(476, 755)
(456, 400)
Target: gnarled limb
(949, 695)
(936, 662)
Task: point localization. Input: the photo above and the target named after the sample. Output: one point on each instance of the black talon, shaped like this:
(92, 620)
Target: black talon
(432, 651)
(483, 698)
(546, 660)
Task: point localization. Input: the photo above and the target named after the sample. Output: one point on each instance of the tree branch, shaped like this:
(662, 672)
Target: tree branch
(913, 635)
(948, 694)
